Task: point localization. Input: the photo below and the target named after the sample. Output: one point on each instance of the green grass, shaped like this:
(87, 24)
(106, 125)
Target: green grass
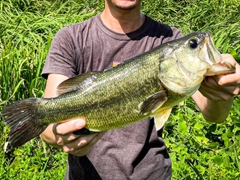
(199, 150)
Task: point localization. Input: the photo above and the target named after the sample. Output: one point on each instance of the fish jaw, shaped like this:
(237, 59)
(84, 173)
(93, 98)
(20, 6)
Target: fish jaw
(184, 69)
(220, 68)
(208, 52)
(193, 57)
(213, 57)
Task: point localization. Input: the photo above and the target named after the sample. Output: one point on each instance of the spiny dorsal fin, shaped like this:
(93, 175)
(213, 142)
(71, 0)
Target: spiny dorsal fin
(153, 103)
(74, 83)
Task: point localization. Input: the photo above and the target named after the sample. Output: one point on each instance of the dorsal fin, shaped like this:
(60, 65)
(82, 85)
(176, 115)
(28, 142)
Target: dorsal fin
(74, 83)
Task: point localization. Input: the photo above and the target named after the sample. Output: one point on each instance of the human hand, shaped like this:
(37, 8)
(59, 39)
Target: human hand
(222, 87)
(78, 145)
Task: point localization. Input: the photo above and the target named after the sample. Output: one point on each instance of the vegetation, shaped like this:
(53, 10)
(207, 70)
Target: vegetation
(198, 149)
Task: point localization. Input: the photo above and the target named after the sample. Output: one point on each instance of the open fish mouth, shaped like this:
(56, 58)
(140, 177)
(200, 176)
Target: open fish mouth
(220, 68)
(214, 58)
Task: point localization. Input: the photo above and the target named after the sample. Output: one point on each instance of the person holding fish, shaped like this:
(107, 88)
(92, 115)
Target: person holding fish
(122, 32)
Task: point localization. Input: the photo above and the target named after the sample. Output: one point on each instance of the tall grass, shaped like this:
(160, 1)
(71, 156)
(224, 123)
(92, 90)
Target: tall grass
(26, 32)
(199, 150)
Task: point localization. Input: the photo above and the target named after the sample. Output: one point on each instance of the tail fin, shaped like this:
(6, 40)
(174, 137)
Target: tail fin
(23, 119)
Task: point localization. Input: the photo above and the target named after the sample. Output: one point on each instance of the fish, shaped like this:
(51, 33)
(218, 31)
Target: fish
(148, 85)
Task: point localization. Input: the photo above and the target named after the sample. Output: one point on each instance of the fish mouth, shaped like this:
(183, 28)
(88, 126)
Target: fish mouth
(220, 68)
(214, 55)
(217, 65)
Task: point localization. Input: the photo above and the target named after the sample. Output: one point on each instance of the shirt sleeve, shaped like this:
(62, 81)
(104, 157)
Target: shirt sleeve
(172, 34)
(61, 56)
(177, 33)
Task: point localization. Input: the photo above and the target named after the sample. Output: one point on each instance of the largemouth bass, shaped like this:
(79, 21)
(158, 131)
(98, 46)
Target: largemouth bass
(148, 85)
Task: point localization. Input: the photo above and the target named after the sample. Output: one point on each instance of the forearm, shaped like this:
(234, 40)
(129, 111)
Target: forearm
(216, 93)
(50, 91)
(213, 111)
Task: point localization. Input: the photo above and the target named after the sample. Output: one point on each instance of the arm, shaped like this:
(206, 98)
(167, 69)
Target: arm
(216, 94)
(60, 135)
(213, 111)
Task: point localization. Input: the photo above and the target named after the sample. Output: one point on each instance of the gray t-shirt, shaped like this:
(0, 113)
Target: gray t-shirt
(135, 152)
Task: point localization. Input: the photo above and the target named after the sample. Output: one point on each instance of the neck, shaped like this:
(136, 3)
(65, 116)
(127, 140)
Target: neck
(122, 21)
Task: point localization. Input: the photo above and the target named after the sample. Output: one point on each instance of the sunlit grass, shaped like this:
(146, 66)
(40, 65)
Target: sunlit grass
(199, 150)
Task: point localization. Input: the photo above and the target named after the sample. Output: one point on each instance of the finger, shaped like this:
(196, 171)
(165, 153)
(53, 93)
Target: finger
(231, 79)
(85, 149)
(211, 90)
(219, 94)
(83, 144)
(216, 96)
(229, 58)
(69, 126)
(211, 83)
(62, 140)
(79, 142)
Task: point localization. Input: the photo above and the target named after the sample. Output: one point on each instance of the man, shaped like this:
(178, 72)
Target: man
(137, 151)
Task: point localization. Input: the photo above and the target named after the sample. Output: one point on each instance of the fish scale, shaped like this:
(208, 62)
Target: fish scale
(148, 85)
(96, 108)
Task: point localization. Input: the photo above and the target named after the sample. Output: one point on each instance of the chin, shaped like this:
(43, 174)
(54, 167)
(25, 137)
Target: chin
(126, 4)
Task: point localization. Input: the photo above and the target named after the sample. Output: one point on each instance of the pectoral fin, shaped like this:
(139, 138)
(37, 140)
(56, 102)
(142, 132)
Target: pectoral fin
(161, 117)
(154, 102)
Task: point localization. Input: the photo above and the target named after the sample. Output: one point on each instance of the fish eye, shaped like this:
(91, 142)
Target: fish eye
(193, 43)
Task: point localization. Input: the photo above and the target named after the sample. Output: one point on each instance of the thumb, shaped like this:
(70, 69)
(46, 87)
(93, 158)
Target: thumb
(69, 126)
